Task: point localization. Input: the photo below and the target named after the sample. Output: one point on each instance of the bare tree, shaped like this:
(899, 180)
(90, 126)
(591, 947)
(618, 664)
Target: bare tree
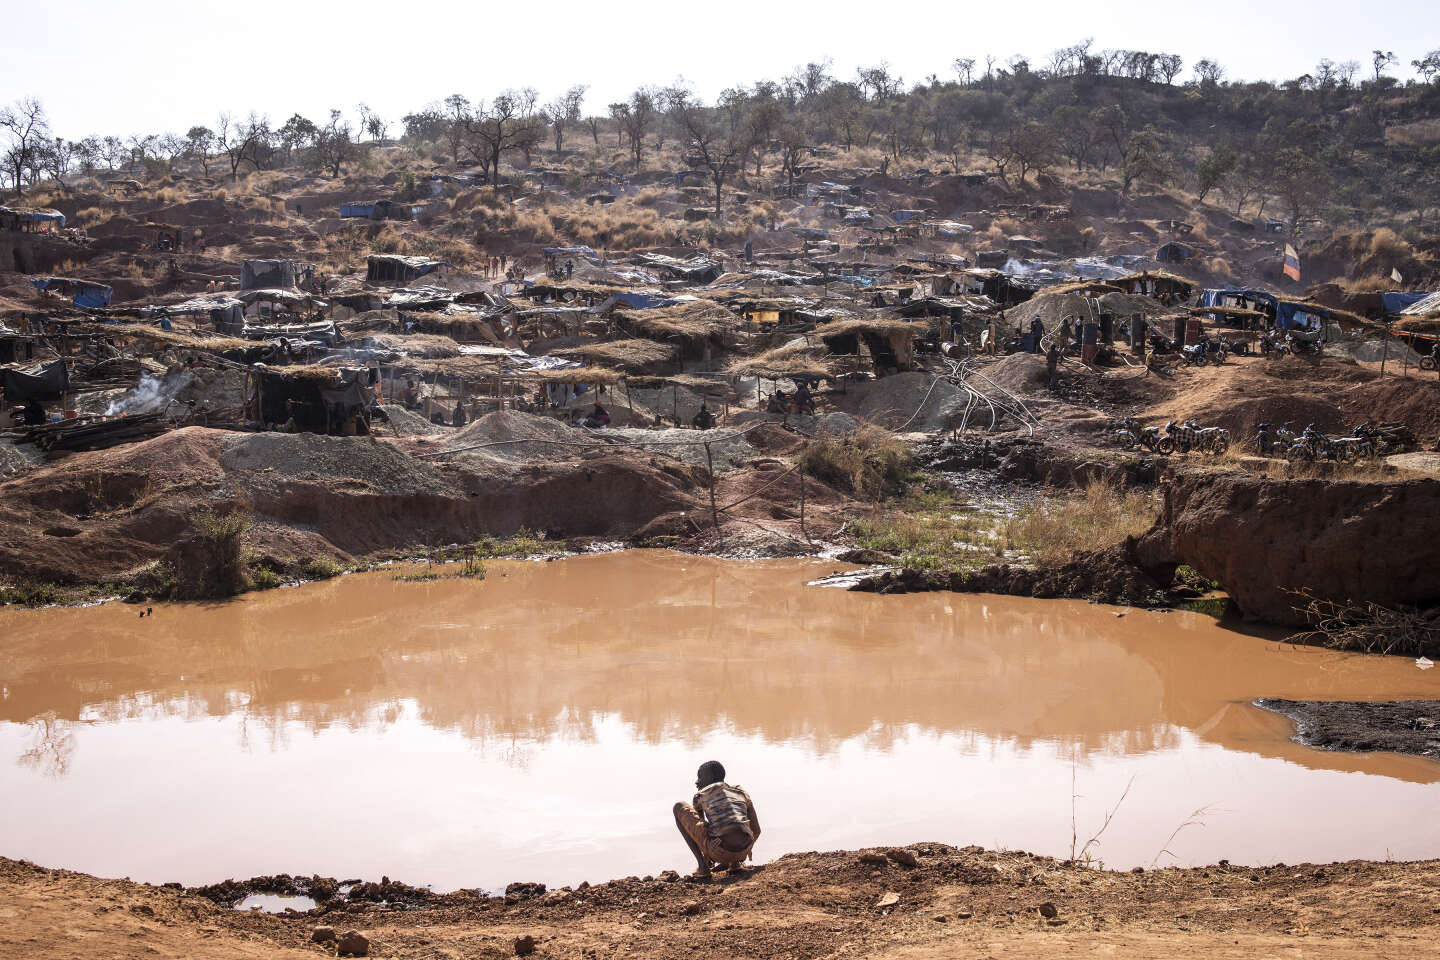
(56, 157)
(26, 127)
(371, 123)
(964, 68)
(237, 139)
(334, 144)
(1170, 65)
(1380, 59)
(457, 123)
(508, 123)
(711, 140)
(639, 116)
(563, 111)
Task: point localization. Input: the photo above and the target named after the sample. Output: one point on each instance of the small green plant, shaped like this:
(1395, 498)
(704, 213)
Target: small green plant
(319, 568)
(263, 578)
(470, 565)
(30, 593)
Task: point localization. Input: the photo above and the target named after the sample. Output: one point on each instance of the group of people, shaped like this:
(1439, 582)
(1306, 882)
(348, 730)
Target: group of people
(801, 401)
(495, 266)
(410, 398)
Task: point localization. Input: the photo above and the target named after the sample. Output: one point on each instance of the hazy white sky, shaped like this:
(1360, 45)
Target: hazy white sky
(102, 66)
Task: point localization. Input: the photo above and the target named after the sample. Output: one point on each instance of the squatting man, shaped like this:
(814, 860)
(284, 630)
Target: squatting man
(719, 826)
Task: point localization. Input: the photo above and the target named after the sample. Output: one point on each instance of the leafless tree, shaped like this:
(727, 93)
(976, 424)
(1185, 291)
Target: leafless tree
(334, 144)
(26, 127)
(563, 111)
(709, 139)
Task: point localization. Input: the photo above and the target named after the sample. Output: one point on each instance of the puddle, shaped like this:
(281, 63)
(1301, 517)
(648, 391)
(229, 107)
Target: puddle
(275, 903)
(538, 725)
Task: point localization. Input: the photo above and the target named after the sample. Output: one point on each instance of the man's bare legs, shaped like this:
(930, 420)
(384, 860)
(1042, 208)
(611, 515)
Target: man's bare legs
(703, 863)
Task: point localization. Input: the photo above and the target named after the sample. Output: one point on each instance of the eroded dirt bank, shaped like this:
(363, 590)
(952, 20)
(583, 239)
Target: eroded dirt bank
(1262, 539)
(969, 902)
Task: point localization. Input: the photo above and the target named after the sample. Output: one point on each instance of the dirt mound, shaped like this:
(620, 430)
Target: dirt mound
(1299, 410)
(410, 423)
(1397, 726)
(508, 430)
(1020, 373)
(16, 458)
(258, 462)
(1415, 403)
(106, 514)
(909, 401)
(1109, 576)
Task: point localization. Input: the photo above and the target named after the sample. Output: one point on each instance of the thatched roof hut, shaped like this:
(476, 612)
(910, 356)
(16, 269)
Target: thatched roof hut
(634, 354)
(318, 399)
(797, 358)
(697, 327)
(600, 376)
(889, 340)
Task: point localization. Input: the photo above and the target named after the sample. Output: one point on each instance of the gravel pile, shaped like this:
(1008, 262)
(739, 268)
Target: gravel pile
(261, 457)
(16, 458)
(408, 423)
(891, 401)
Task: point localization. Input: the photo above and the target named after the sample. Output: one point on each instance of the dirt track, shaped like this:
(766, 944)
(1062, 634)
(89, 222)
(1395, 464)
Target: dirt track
(967, 902)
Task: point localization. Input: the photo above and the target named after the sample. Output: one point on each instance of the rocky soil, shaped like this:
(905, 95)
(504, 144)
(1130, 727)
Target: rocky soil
(1404, 726)
(927, 900)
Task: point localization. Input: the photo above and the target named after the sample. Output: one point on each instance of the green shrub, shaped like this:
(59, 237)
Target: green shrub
(320, 568)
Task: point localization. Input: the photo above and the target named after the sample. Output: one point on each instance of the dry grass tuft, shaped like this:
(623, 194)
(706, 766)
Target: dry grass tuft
(869, 463)
(1051, 530)
(1388, 245)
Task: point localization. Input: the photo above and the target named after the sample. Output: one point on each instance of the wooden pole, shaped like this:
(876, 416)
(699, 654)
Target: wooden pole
(803, 531)
(1410, 345)
(714, 510)
(1385, 354)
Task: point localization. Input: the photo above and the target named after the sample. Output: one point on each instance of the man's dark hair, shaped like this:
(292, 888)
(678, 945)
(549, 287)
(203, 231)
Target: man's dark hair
(710, 772)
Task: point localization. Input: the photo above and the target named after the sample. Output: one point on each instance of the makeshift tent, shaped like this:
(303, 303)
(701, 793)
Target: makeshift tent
(1396, 301)
(318, 399)
(379, 210)
(1173, 251)
(389, 268)
(259, 274)
(31, 221)
(84, 293)
(43, 381)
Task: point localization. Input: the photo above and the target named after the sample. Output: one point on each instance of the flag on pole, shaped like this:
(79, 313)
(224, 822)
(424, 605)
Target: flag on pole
(1395, 275)
(1292, 263)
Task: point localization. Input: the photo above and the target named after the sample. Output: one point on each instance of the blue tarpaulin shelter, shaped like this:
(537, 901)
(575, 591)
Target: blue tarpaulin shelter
(32, 220)
(85, 293)
(1225, 297)
(1397, 300)
(1304, 316)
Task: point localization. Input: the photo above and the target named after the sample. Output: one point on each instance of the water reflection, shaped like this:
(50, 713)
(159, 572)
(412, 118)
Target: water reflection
(362, 703)
(669, 644)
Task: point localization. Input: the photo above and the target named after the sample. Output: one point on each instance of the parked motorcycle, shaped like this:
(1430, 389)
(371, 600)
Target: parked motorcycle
(1131, 435)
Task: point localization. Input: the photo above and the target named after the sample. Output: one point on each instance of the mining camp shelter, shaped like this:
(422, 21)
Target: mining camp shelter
(392, 269)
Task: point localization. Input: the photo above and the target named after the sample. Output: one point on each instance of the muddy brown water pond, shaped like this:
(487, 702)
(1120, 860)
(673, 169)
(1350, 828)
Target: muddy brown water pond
(538, 725)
